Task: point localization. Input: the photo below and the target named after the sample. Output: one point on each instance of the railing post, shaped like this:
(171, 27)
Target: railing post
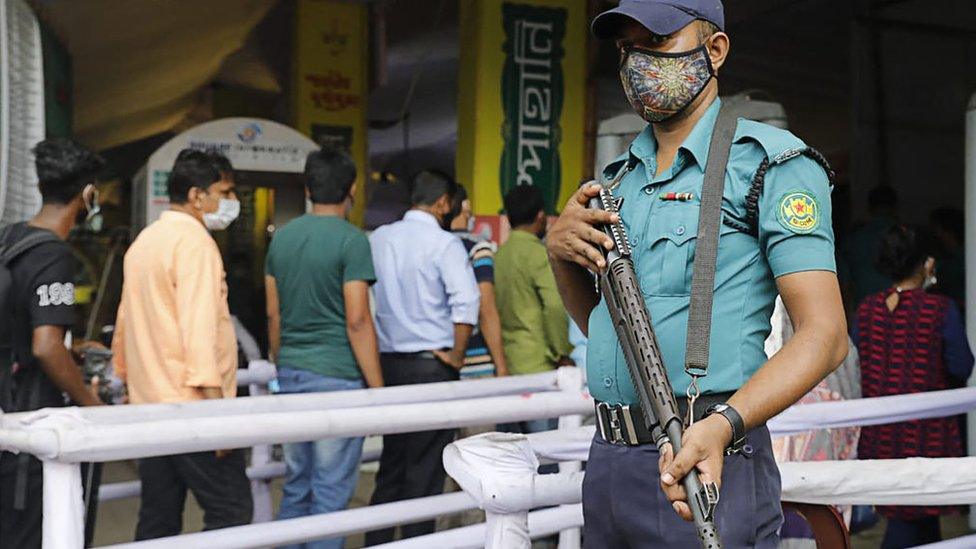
(63, 507)
(570, 379)
(260, 456)
(507, 530)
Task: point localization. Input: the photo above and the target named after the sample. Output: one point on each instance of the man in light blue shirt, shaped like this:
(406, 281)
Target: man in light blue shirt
(426, 308)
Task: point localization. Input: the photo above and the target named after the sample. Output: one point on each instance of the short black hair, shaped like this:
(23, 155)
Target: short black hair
(329, 174)
(427, 186)
(64, 169)
(522, 204)
(904, 248)
(223, 165)
(193, 168)
(457, 201)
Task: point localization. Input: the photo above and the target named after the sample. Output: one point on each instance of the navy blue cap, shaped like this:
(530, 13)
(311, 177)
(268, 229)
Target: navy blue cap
(661, 17)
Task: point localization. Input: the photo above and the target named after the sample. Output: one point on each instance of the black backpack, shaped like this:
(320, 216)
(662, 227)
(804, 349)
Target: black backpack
(13, 250)
(9, 251)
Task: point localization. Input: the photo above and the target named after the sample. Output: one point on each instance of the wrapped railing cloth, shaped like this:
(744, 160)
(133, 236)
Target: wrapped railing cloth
(498, 471)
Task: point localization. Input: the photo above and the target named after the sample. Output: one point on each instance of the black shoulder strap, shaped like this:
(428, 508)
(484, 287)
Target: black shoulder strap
(706, 245)
(10, 252)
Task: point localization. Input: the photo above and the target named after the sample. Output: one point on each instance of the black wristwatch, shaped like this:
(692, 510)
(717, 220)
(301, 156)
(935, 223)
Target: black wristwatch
(735, 420)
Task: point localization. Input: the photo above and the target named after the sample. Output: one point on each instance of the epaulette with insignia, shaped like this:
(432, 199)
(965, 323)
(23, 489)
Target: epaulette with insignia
(796, 213)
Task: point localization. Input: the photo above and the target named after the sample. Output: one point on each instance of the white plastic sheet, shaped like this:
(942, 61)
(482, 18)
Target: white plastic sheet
(499, 471)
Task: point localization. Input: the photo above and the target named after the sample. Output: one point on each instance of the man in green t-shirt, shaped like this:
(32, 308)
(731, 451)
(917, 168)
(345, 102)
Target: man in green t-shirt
(535, 326)
(319, 269)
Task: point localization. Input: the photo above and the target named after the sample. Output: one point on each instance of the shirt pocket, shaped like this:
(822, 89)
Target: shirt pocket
(671, 251)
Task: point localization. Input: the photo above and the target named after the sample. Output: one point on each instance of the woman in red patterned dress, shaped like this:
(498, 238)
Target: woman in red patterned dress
(910, 341)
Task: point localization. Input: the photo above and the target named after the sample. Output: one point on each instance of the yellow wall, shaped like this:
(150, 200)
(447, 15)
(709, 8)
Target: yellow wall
(331, 78)
(480, 110)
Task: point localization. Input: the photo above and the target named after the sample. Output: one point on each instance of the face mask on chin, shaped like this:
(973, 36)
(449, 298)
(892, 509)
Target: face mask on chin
(91, 217)
(227, 212)
(660, 86)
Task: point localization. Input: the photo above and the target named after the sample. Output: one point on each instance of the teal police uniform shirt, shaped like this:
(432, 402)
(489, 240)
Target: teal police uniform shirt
(794, 235)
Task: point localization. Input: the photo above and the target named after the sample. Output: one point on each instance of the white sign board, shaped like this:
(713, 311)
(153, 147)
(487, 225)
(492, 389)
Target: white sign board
(250, 144)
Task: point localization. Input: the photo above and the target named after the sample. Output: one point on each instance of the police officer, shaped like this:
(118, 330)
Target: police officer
(775, 237)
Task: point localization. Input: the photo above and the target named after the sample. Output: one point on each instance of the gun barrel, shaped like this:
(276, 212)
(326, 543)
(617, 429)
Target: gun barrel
(632, 322)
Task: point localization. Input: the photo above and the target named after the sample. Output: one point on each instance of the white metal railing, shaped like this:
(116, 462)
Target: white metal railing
(64, 437)
(498, 470)
(256, 376)
(257, 473)
(541, 523)
(405, 394)
(340, 523)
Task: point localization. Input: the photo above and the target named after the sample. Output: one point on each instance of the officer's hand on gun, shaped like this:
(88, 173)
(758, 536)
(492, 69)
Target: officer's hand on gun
(573, 237)
(703, 446)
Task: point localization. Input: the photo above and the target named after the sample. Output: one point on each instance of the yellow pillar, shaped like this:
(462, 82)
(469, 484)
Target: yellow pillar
(521, 101)
(331, 79)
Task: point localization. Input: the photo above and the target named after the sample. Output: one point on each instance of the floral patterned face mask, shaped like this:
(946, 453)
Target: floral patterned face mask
(661, 85)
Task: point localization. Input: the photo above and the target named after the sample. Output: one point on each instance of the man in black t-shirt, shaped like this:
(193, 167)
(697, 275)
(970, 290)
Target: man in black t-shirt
(43, 372)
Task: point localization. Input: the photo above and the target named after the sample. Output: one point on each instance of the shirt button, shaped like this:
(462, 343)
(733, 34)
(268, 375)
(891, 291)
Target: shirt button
(607, 382)
(680, 230)
(635, 241)
(648, 190)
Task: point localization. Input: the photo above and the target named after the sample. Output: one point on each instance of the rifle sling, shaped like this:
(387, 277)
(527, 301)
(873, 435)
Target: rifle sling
(706, 246)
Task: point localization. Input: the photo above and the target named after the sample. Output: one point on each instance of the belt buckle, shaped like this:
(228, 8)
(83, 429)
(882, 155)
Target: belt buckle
(629, 425)
(610, 429)
(617, 436)
(619, 426)
(603, 419)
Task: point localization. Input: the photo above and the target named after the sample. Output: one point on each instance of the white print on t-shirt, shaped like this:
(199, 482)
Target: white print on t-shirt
(56, 293)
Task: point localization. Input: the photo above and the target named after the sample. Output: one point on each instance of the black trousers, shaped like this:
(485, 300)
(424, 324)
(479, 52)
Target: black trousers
(624, 506)
(411, 465)
(220, 486)
(21, 527)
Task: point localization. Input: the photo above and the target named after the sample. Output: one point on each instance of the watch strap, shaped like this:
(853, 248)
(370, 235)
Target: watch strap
(738, 426)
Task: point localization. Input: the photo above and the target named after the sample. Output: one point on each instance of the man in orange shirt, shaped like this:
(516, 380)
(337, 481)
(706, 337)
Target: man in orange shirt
(175, 342)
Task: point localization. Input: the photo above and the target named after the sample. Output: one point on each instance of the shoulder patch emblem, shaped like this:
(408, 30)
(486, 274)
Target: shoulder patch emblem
(799, 212)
